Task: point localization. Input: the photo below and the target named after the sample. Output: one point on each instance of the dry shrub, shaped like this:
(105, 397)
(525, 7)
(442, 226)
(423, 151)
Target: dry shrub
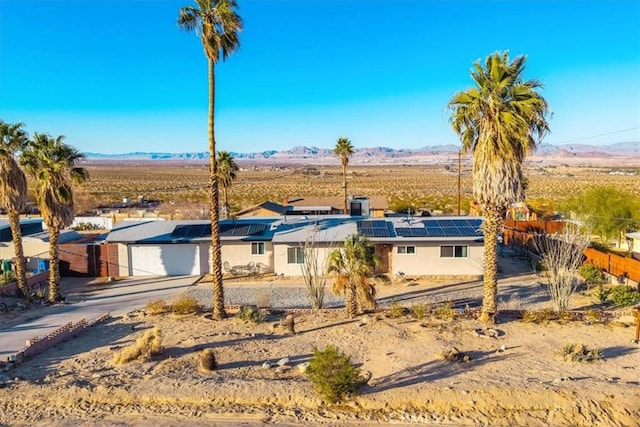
(455, 355)
(158, 306)
(208, 360)
(420, 310)
(445, 311)
(394, 310)
(148, 345)
(580, 353)
(594, 316)
(537, 316)
(185, 305)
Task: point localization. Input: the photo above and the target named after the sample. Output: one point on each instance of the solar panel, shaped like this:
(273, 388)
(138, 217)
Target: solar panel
(180, 231)
(239, 230)
(412, 232)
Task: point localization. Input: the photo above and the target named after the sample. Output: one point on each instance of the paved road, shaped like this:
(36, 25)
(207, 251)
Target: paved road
(120, 298)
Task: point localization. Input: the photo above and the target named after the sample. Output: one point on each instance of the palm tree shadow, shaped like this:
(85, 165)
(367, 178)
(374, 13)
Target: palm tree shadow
(618, 351)
(432, 371)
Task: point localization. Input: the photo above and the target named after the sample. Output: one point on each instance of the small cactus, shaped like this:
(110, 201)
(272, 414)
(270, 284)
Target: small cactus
(208, 360)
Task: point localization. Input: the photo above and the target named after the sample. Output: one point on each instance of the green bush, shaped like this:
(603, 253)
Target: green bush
(602, 294)
(420, 310)
(251, 313)
(591, 274)
(623, 295)
(333, 375)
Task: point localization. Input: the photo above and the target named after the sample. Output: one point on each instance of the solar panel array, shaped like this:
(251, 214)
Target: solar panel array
(191, 231)
(377, 228)
(443, 228)
(227, 230)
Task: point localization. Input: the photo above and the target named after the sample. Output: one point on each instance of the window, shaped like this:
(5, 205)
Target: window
(454, 251)
(295, 255)
(257, 248)
(407, 250)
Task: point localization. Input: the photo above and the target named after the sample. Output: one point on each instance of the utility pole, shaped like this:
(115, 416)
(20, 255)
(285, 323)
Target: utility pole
(459, 156)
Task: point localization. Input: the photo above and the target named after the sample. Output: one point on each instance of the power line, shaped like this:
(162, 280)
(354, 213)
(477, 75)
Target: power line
(597, 136)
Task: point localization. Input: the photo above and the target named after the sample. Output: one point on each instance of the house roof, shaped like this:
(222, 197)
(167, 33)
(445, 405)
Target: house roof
(189, 231)
(337, 202)
(269, 206)
(4, 222)
(65, 236)
(327, 229)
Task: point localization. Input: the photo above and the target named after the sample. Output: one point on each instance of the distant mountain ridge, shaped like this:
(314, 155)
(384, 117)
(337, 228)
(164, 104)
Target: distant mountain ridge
(380, 154)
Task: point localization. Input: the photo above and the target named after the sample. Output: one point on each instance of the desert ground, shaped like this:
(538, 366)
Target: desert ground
(182, 186)
(515, 378)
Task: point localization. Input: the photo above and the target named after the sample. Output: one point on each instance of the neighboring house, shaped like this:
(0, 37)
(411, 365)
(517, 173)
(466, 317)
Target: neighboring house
(265, 209)
(35, 241)
(314, 206)
(420, 247)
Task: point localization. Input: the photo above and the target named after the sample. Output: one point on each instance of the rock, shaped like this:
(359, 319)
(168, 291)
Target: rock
(502, 348)
(284, 361)
(266, 365)
(365, 376)
(302, 367)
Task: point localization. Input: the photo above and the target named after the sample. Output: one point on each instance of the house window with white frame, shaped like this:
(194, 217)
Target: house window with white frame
(454, 251)
(295, 255)
(257, 248)
(407, 250)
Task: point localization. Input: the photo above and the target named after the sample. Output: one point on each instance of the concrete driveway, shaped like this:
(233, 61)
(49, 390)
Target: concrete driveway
(120, 298)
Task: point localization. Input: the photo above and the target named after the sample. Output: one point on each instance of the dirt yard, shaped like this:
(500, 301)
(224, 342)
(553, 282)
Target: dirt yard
(514, 379)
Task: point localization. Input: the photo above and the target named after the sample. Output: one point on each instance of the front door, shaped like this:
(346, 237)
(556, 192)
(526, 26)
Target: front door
(382, 253)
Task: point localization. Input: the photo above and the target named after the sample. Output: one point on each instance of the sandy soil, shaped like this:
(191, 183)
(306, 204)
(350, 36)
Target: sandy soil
(526, 384)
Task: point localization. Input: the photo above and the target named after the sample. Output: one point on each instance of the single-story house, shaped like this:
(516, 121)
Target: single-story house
(375, 207)
(35, 241)
(426, 246)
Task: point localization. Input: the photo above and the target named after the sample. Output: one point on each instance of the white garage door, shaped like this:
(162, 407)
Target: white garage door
(164, 260)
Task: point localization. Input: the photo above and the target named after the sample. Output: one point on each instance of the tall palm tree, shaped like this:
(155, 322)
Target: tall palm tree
(227, 169)
(13, 191)
(218, 25)
(54, 168)
(353, 265)
(344, 149)
(500, 120)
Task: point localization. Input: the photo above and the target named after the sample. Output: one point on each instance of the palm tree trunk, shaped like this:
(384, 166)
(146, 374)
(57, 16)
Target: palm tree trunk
(491, 229)
(214, 210)
(225, 213)
(54, 270)
(21, 271)
(344, 187)
(352, 307)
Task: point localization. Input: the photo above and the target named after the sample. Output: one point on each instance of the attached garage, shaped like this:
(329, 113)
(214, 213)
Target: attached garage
(165, 260)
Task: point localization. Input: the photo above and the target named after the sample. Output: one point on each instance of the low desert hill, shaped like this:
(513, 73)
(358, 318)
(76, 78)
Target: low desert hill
(623, 153)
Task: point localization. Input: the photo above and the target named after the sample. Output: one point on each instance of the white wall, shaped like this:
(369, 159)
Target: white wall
(282, 267)
(427, 261)
(100, 221)
(239, 253)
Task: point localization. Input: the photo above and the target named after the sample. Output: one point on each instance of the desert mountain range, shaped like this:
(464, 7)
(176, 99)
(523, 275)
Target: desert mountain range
(626, 152)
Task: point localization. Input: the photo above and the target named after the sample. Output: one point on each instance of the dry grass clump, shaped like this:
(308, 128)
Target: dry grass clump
(185, 305)
(420, 311)
(394, 310)
(445, 311)
(158, 306)
(580, 353)
(455, 355)
(148, 345)
(538, 316)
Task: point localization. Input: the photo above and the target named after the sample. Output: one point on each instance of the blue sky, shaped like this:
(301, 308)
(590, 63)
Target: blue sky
(119, 76)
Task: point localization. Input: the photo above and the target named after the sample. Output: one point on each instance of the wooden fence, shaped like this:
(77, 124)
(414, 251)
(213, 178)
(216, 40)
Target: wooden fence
(614, 264)
(519, 233)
